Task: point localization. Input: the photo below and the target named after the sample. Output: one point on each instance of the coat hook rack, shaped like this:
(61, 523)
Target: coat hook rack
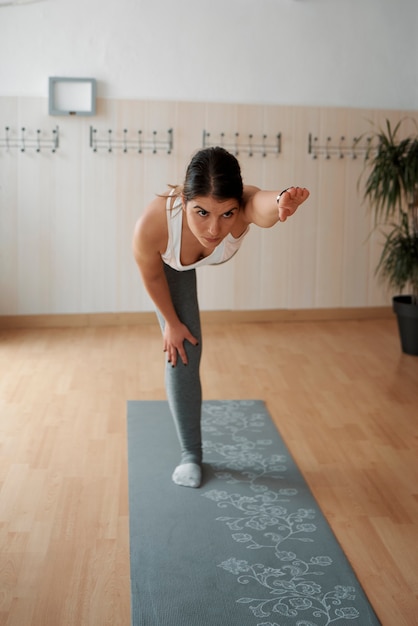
(330, 148)
(25, 142)
(113, 141)
(249, 146)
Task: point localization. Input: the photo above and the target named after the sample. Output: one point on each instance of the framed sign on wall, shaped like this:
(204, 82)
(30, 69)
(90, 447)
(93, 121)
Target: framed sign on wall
(72, 96)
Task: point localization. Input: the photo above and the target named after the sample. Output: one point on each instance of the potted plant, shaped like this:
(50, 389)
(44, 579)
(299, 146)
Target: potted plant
(391, 188)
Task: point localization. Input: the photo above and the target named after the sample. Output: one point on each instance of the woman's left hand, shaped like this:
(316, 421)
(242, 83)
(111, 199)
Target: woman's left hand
(290, 200)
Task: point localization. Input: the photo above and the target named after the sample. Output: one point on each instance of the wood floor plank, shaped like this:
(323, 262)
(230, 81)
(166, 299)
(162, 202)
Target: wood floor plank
(341, 393)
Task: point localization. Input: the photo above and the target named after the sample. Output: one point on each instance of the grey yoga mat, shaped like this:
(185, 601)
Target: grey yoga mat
(250, 547)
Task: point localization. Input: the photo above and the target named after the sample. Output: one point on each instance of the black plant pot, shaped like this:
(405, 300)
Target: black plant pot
(407, 315)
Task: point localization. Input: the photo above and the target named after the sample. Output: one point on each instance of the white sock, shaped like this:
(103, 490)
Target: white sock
(188, 475)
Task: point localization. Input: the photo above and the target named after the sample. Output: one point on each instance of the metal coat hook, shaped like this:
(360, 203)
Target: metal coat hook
(93, 139)
(366, 150)
(328, 148)
(24, 142)
(341, 146)
(250, 145)
(339, 149)
(23, 148)
(236, 144)
(264, 145)
(112, 142)
(7, 140)
(240, 146)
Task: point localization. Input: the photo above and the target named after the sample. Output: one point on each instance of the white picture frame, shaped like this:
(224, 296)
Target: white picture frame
(72, 96)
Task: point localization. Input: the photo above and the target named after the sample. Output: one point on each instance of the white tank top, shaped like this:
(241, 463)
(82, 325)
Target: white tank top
(225, 251)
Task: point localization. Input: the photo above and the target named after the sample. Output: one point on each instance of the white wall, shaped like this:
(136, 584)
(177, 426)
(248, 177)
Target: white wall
(359, 53)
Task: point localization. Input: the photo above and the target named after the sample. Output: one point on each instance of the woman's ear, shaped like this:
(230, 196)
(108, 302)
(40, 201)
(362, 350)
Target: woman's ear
(183, 202)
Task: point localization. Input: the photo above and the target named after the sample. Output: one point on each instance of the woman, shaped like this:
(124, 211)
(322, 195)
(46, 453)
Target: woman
(201, 222)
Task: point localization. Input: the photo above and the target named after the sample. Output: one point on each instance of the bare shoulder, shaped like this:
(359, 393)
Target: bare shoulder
(249, 191)
(150, 232)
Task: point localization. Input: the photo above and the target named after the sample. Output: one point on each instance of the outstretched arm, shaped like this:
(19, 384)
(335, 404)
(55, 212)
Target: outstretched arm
(266, 208)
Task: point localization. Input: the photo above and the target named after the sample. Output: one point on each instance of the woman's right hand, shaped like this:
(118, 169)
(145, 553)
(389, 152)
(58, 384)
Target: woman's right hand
(174, 337)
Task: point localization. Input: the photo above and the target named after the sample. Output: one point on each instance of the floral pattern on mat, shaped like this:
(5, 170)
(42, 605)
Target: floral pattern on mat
(281, 575)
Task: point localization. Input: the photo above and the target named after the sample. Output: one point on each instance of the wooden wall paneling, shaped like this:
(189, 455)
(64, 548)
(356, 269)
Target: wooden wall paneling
(302, 229)
(221, 118)
(66, 177)
(215, 286)
(66, 230)
(49, 250)
(330, 224)
(246, 279)
(60, 187)
(356, 243)
(188, 132)
(35, 204)
(98, 278)
(130, 202)
(275, 259)
(98, 233)
(161, 168)
(8, 212)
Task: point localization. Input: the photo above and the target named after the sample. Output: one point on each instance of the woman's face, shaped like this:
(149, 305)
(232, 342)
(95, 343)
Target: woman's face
(210, 220)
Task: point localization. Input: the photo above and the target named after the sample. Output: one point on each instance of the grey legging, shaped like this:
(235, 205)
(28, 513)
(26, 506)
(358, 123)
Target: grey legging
(183, 387)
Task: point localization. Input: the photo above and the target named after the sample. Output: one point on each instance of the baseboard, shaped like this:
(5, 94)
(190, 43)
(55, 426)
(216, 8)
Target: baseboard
(210, 317)
(297, 315)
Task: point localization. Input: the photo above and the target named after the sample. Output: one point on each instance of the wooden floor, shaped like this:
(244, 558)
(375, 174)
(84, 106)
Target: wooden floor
(342, 394)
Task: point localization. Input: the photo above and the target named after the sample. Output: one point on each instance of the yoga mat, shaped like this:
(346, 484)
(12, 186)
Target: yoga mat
(249, 548)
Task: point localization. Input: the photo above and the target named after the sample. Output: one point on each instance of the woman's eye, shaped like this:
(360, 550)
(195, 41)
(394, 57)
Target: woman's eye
(228, 214)
(202, 212)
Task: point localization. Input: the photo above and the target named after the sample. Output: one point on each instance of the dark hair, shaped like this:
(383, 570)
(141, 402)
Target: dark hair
(213, 172)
